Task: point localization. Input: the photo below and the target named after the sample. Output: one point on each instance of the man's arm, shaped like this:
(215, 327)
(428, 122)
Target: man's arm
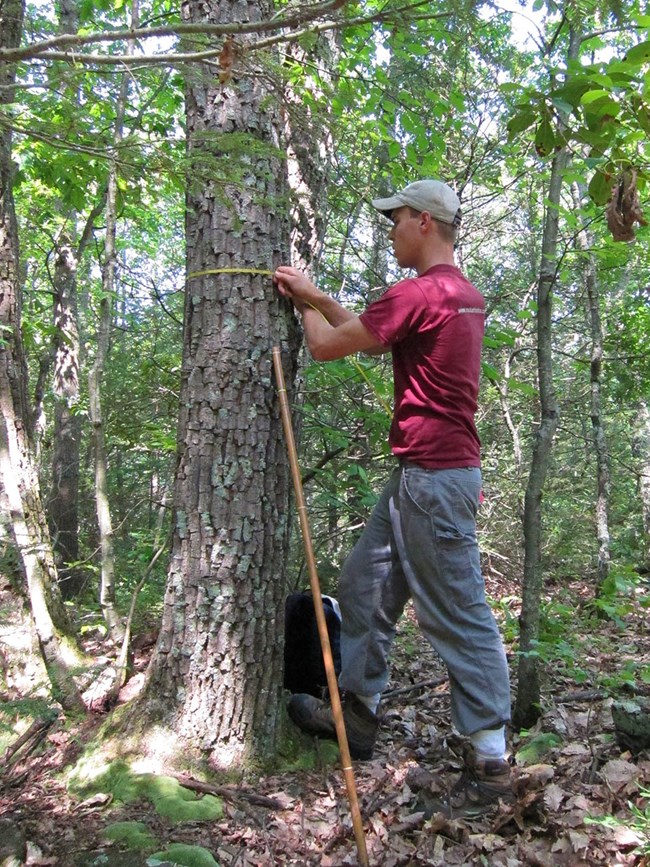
(335, 313)
(331, 330)
(328, 342)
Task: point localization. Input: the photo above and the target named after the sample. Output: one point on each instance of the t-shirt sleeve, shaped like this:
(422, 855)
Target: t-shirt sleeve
(391, 317)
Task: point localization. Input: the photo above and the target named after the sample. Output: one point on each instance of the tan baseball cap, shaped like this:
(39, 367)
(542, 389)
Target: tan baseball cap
(428, 195)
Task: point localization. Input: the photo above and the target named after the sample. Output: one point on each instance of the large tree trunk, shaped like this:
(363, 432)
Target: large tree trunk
(215, 680)
(17, 464)
(309, 149)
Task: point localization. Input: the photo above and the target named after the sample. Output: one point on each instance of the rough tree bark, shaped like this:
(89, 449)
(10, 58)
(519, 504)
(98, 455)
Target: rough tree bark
(215, 680)
(63, 499)
(18, 473)
(309, 147)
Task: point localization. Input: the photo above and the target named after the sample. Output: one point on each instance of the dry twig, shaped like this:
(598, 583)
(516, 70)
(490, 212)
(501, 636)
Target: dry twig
(28, 741)
(228, 792)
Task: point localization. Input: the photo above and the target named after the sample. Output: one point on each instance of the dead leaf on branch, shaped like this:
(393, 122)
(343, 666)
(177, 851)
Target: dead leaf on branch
(624, 208)
(226, 60)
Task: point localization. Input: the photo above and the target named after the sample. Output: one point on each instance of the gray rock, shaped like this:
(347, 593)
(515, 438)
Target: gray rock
(632, 723)
(13, 848)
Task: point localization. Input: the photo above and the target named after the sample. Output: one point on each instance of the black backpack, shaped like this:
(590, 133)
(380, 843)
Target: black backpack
(304, 670)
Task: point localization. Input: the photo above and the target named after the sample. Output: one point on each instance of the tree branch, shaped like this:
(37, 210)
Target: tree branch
(41, 50)
(77, 40)
(228, 792)
(35, 733)
(327, 457)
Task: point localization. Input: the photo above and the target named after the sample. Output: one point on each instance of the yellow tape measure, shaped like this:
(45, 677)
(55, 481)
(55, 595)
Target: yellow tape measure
(262, 271)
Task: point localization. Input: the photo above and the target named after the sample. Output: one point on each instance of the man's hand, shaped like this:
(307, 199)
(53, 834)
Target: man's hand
(293, 284)
(331, 331)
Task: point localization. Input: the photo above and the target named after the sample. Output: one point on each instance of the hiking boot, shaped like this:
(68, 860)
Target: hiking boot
(480, 788)
(315, 717)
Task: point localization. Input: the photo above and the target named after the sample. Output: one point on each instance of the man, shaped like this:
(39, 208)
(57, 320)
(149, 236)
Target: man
(420, 541)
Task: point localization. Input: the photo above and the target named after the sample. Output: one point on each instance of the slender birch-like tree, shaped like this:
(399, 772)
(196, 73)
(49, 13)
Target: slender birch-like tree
(527, 705)
(18, 469)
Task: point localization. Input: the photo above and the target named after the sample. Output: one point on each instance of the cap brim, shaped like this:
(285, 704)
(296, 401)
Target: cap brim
(386, 206)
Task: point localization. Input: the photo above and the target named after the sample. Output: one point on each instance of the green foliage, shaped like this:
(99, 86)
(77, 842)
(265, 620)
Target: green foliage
(569, 636)
(558, 654)
(632, 673)
(503, 609)
(621, 592)
(65, 138)
(601, 109)
(639, 822)
(560, 647)
(536, 746)
(343, 429)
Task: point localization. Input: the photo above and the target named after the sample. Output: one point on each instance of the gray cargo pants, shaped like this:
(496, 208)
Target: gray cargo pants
(420, 543)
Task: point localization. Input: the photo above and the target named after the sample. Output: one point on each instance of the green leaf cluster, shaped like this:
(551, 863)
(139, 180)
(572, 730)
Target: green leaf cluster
(600, 109)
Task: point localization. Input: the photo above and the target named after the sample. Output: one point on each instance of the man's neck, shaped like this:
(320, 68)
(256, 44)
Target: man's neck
(439, 257)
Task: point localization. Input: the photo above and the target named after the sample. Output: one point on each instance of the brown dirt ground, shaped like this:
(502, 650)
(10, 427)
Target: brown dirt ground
(584, 773)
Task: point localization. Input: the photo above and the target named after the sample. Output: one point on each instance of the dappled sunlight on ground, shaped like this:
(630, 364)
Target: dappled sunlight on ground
(570, 767)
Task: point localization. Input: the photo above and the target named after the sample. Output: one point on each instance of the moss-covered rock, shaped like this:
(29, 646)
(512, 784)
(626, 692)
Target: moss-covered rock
(169, 798)
(133, 835)
(184, 856)
(93, 773)
(302, 752)
(632, 724)
(177, 803)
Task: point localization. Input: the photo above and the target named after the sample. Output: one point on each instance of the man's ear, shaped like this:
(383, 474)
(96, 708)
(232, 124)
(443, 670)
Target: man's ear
(425, 221)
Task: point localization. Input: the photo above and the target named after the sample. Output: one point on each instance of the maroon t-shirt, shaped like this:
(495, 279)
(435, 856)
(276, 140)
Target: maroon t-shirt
(434, 325)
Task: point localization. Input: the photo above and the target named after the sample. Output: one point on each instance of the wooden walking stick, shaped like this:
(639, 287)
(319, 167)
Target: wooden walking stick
(335, 698)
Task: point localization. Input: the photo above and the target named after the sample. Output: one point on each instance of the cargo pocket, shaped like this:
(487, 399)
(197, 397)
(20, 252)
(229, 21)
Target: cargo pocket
(442, 527)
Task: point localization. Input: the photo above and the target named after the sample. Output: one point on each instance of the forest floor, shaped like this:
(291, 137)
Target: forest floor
(570, 770)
